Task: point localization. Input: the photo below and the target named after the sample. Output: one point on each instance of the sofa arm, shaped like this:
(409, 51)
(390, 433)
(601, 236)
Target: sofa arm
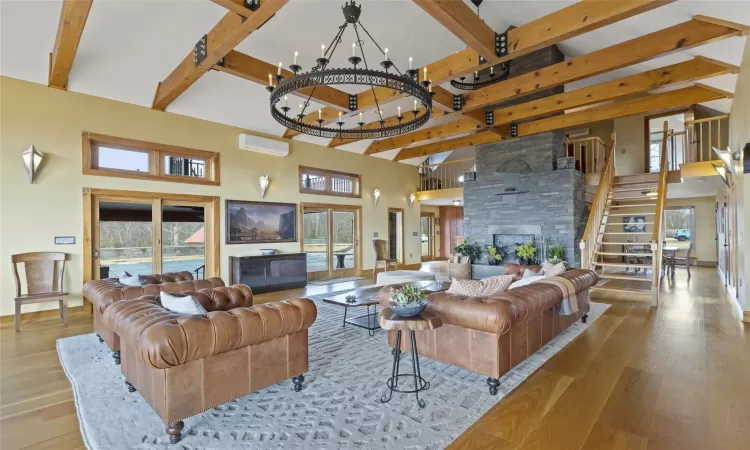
(164, 339)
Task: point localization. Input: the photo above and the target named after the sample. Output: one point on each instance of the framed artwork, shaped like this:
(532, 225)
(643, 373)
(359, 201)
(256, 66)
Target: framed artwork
(634, 224)
(260, 222)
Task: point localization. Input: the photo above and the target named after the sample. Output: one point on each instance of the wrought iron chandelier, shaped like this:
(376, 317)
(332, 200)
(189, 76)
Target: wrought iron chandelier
(496, 74)
(321, 75)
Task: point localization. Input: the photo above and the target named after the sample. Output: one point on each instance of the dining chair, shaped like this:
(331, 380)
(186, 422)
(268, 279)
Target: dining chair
(381, 255)
(676, 260)
(44, 281)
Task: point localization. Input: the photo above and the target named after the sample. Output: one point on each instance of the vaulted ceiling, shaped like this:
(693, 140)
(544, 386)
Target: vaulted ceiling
(128, 47)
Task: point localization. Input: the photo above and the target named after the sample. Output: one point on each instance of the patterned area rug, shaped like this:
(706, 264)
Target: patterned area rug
(339, 407)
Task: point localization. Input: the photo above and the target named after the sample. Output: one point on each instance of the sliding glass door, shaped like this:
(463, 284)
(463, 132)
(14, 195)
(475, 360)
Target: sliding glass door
(330, 237)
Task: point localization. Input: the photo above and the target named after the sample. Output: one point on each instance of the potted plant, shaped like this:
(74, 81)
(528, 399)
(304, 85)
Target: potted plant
(408, 301)
(526, 252)
(496, 255)
(555, 253)
(470, 249)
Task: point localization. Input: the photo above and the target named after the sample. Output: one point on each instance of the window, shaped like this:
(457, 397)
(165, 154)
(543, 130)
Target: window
(328, 182)
(679, 225)
(127, 158)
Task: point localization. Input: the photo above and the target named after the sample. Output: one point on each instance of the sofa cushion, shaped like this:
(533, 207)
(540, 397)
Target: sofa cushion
(526, 280)
(481, 288)
(553, 270)
(531, 273)
(181, 303)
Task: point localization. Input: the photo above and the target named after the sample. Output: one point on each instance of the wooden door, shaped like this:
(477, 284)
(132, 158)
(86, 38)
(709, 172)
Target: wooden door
(451, 228)
(330, 237)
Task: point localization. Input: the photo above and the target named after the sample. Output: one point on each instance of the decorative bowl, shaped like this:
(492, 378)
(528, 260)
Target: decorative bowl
(409, 309)
(268, 251)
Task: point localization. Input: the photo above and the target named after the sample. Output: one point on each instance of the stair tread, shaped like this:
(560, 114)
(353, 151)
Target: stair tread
(622, 254)
(640, 205)
(614, 276)
(615, 189)
(620, 199)
(622, 223)
(606, 264)
(623, 232)
(625, 243)
(628, 215)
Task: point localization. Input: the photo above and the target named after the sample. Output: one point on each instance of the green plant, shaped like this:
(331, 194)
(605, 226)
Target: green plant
(407, 295)
(526, 251)
(470, 249)
(496, 253)
(555, 252)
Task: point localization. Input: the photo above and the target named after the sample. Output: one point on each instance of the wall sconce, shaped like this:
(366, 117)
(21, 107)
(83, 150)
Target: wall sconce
(412, 197)
(32, 159)
(722, 171)
(263, 182)
(456, 202)
(376, 195)
(727, 158)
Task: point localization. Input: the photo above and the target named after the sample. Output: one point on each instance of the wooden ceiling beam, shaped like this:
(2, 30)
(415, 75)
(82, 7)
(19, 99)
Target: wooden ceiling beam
(651, 103)
(665, 101)
(693, 70)
(236, 6)
(423, 134)
(69, 30)
(460, 20)
(253, 69)
(223, 38)
(679, 37)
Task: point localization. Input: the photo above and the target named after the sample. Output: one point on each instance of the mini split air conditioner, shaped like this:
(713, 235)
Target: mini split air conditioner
(263, 145)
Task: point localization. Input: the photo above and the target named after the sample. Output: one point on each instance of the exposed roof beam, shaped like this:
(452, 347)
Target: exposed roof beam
(647, 104)
(693, 70)
(236, 6)
(423, 134)
(460, 20)
(679, 37)
(223, 38)
(253, 69)
(658, 102)
(482, 137)
(568, 22)
(69, 30)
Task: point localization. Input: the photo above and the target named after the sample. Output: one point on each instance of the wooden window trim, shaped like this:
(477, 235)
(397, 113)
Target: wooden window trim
(156, 152)
(329, 175)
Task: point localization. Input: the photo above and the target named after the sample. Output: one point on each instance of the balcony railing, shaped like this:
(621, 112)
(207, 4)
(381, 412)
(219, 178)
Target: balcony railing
(445, 175)
(589, 153)
(703, 134)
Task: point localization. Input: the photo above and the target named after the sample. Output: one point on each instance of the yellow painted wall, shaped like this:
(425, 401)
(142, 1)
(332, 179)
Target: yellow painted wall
(52, 120)
(705, 226)
(629, 152)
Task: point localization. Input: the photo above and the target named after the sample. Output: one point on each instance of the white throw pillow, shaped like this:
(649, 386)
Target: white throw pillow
(530, 273)
(131, 281)
(183, 304)
(525, 281)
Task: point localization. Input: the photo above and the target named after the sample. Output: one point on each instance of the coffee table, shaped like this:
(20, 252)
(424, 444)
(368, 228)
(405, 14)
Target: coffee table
(368, 297)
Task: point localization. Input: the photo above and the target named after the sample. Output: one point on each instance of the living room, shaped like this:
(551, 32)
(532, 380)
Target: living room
(228, 157)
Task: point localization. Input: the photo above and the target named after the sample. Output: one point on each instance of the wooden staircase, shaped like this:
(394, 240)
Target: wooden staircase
(626, 262)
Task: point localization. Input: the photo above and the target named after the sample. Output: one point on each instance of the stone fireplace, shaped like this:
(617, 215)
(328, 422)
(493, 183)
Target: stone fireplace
(519, 196)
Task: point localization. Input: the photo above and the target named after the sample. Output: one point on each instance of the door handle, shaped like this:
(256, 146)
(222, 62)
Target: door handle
(95, 253)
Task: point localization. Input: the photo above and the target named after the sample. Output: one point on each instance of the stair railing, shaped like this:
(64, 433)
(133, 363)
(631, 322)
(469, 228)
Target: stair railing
(590, 240)
(657, 241)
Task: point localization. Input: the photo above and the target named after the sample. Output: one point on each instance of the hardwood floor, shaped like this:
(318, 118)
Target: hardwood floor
(671, 378)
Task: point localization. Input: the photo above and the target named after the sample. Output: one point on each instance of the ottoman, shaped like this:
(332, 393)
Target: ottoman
(404, 276)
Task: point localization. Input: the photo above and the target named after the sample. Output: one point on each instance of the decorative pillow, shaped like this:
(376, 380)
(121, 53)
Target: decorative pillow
(553, 270)
(481, 288)
(530, 273)
(131, 281)
(183, 304)
(526, 281)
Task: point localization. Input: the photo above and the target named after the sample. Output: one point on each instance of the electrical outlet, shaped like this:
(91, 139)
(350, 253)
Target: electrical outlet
(410, 255)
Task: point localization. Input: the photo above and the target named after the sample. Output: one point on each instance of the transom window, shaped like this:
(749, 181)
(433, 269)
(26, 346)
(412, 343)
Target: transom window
(127, 158)
(328, 182)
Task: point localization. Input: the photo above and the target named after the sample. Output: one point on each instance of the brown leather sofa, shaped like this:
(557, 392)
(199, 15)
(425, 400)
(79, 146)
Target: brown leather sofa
(183, 365)
(491, 335)
(103, 293)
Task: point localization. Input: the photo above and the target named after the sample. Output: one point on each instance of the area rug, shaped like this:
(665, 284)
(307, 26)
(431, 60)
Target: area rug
(326, 281)
(339, 407)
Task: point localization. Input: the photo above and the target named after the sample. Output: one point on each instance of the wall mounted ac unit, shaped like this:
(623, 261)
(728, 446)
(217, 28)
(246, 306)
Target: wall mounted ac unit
(267, 146)
(579, 133)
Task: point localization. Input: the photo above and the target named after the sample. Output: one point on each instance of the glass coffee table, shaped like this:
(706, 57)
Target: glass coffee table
(368, 297)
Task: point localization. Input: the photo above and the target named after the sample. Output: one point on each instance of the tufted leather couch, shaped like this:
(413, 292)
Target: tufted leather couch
(491, 335)
(183, 365)
(104, 293)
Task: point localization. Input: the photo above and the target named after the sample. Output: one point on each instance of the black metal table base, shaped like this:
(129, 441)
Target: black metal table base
(367, 321)
(420, 384)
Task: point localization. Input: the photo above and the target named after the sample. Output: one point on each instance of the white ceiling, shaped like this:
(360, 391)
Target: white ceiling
(128, 46)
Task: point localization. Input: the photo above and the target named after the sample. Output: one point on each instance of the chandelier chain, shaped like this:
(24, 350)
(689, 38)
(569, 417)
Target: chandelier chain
(372, 88)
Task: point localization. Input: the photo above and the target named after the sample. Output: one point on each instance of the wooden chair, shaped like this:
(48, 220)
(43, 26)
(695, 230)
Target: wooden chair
(44, 279)
(381, 255)
(676, 260)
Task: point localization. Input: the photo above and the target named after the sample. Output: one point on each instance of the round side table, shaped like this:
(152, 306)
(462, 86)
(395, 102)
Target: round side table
(392, 321)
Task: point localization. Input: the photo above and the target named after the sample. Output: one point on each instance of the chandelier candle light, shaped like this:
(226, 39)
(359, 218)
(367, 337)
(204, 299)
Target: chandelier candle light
(320, 75)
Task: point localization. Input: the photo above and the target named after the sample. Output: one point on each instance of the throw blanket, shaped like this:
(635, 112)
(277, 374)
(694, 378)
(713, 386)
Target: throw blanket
(569, 301)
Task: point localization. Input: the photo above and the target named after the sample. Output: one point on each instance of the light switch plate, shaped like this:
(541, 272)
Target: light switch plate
(65, 240)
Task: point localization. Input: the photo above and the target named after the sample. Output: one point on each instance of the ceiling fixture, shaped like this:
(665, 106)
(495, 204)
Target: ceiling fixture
(321, 75)
(496, 73)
